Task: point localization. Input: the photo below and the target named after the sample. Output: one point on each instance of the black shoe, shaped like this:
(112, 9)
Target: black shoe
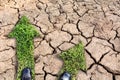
(26, 74)
(65, 76)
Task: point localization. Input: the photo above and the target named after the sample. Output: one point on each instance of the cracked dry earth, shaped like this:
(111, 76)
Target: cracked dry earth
(62, 24)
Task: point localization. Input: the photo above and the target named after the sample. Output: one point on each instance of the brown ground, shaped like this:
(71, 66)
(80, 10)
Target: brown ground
(62, 24)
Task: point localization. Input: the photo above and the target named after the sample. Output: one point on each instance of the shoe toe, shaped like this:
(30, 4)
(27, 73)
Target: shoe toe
(26, 74)
(65, 76)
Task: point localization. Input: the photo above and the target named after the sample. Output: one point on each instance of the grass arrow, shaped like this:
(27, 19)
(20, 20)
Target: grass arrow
(74, 60)
(24, 33)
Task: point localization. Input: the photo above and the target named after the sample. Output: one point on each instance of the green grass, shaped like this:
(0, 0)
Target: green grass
(74, 60)
(24, 33)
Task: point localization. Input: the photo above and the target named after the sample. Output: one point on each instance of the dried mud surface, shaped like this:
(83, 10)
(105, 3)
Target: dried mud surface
(62, 24)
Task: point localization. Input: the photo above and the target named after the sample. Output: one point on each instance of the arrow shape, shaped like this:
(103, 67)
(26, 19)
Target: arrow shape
(24, 33)
(74, 60)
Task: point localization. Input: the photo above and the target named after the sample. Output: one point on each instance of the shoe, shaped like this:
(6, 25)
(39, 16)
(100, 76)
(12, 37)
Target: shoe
(26, 74)
(65, 76)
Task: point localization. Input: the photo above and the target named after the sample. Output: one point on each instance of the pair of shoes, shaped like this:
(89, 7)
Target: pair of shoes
(26, 75)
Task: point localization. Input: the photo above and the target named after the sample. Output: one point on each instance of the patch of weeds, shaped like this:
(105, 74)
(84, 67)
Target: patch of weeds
(24, 33)
(74, 60)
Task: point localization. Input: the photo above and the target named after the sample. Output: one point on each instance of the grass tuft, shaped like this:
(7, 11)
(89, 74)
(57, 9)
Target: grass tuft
(24, 33)
(74, 60)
